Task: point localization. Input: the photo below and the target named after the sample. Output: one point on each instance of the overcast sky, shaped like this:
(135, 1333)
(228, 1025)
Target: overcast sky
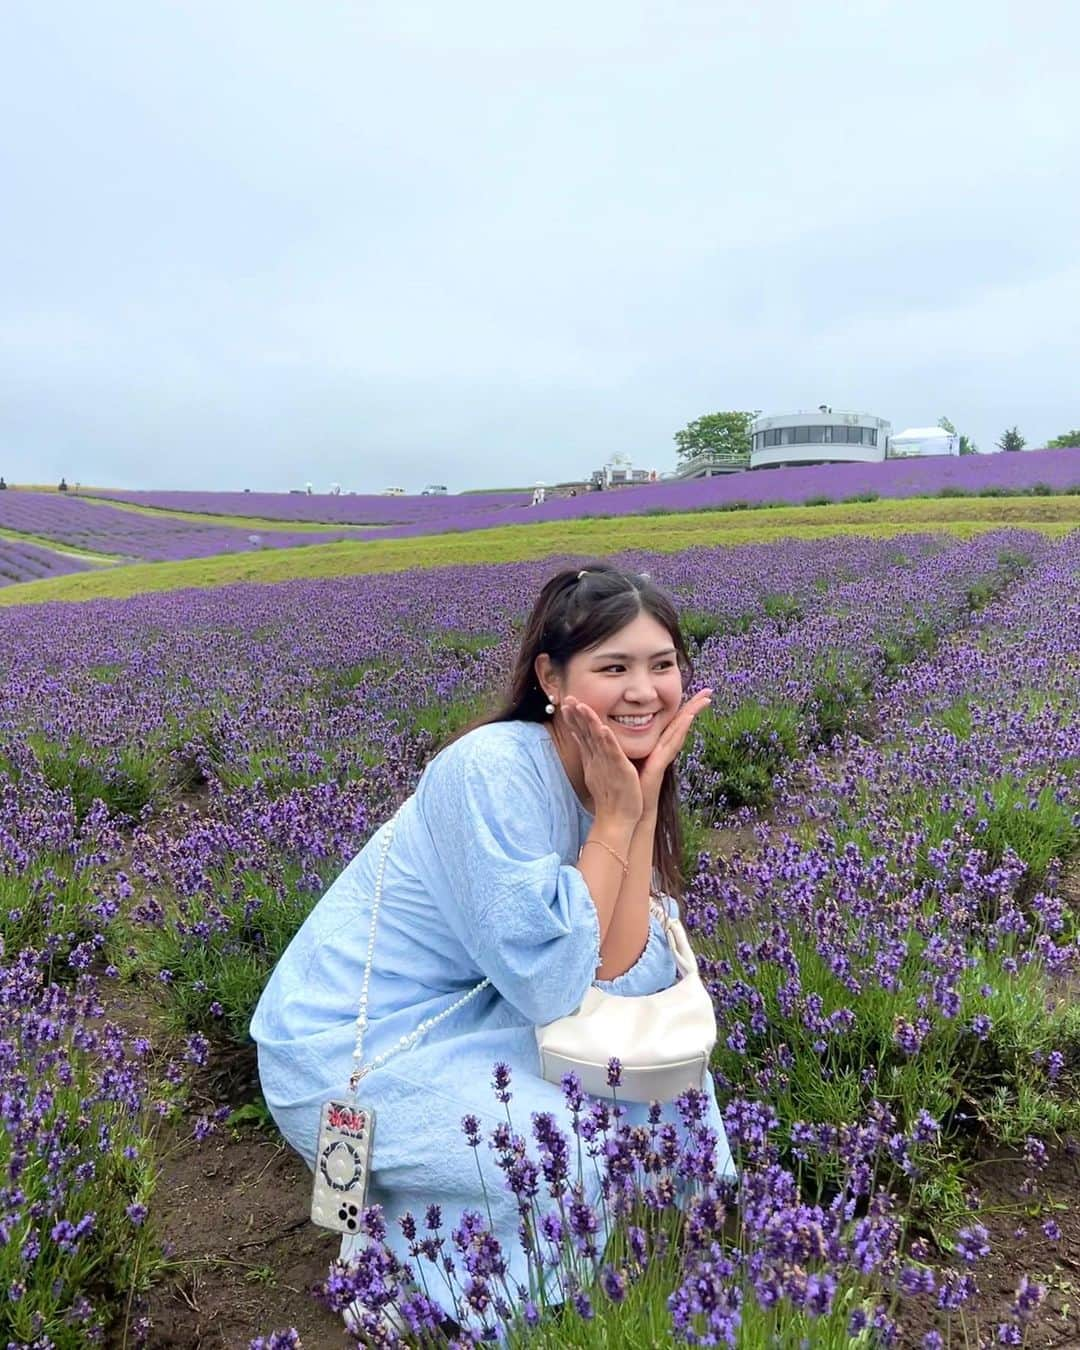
(249, 243)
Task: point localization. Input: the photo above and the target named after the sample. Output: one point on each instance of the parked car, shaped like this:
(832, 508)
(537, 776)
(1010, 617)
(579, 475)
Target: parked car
(434, 490)
(393, 492)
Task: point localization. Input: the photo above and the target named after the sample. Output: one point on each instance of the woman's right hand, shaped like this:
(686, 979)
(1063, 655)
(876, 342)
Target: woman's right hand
(611, 777)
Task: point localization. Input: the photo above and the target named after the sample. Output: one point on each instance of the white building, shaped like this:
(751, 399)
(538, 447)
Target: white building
(619, 471)
(916, 442)
(822, 437)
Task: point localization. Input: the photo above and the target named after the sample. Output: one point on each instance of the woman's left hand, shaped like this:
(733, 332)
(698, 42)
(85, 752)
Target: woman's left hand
(666, 750)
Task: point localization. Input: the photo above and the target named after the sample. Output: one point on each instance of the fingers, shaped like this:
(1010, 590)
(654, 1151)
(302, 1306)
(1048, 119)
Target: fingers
(589, 731)
(675, 733)
(684, 718)
(578, 723)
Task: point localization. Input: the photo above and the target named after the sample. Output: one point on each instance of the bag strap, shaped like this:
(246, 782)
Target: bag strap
(675, 933)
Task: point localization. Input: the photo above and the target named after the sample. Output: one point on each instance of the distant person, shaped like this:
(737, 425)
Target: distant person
(62, 485)
(3, 485)
(573, 492)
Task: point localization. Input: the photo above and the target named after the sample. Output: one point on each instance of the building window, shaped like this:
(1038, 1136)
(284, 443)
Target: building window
(833, 434)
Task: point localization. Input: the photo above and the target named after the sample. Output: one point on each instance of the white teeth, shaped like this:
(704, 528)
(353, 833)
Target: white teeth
(634, 721)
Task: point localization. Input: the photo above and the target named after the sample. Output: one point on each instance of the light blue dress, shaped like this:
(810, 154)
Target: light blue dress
(480, 880)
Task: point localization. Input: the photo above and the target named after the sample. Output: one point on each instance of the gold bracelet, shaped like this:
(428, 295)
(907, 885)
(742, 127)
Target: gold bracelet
(621, 861)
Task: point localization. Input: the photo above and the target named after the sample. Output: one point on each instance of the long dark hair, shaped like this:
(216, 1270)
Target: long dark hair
(576, 610)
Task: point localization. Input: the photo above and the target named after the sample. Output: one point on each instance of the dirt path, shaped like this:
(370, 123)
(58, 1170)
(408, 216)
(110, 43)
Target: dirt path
(245, 1253)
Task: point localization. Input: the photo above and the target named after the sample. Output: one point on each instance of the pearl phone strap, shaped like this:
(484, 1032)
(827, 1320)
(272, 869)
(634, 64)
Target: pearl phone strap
(360, 1069)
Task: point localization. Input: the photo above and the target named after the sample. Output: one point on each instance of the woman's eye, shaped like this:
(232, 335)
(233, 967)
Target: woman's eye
(660, 665)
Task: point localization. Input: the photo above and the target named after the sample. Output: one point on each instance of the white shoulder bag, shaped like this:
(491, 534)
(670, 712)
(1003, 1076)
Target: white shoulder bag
(663, 1041)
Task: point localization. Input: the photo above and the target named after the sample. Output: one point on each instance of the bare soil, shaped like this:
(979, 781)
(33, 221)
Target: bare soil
(233, 1212)
(1018, 1246)
(245, 1253)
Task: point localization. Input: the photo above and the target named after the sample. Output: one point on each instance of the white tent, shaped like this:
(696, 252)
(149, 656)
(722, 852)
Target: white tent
(919, 441)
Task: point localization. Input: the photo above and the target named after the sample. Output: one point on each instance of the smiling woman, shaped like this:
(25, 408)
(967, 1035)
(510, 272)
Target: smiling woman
(480, 912)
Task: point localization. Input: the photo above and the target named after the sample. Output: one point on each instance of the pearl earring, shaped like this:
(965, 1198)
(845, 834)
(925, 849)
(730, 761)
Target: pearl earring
(549, 708)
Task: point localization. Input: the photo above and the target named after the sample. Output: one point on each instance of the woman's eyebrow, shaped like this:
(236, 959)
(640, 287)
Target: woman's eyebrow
(622, 656)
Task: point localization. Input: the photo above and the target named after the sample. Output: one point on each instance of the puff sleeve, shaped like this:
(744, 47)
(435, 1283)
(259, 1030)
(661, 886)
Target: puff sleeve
(655, 968)
(524, 915)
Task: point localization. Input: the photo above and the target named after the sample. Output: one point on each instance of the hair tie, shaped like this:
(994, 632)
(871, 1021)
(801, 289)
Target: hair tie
(583, 573)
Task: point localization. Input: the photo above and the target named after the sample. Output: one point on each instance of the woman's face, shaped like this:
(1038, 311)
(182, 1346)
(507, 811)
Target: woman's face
(631, 681)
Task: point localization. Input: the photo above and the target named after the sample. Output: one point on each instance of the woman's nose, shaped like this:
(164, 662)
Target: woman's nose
(641, 689)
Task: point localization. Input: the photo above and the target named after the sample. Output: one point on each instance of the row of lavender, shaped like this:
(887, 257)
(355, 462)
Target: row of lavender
(29, 562)
(271, 698)
(1056, 470)
(324, 508)
(905, 918)
(95, 527)
(80, 1100)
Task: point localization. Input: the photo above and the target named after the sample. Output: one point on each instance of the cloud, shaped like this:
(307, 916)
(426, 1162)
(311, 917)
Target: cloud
(493, 242)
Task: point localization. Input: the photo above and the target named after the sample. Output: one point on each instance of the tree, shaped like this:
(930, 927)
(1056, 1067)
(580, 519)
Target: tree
(1063, 442)
(723, 434)
(967, 447)
(1011, 440)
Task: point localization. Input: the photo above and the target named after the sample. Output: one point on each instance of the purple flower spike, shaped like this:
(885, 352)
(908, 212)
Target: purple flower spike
(614, 1284)
(583, 1306)
(972, 1244)
(500, 1081)
(1028, 1297)
(572, 1092)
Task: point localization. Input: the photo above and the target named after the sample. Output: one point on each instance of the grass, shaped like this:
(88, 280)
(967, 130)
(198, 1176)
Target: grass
(963, 517)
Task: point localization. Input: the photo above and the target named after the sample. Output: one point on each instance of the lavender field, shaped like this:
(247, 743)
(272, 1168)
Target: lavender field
(73, 522)
(326, 508)
(166, 529)
(400, 517)
(881, 827)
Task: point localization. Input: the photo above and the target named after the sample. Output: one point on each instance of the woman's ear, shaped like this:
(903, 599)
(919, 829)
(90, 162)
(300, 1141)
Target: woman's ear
(545, 673)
